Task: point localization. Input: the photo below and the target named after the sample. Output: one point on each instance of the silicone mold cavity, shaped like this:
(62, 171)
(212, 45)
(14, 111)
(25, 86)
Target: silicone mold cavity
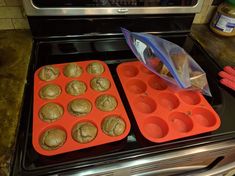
(204, 117)
(129, 71)
(181, 122)
(157, 83)
(145, 104)
(145, 70)
(162, 111)
(190, 97)
(168, 101)
(136, 86)
(155, 127)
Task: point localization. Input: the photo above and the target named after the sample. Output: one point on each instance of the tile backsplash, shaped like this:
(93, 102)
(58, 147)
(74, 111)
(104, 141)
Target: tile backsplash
(12, 16)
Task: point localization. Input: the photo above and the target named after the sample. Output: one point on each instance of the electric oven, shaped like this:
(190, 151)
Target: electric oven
(73, 30)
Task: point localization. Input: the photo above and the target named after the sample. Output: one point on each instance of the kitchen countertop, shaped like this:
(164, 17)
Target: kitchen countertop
(15, 50)
(222, 49)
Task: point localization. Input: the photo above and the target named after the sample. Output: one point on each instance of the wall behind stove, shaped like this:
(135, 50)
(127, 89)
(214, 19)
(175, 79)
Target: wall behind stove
(12, 15)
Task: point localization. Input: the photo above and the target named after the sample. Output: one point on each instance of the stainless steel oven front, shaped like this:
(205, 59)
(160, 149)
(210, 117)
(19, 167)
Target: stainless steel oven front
(110, 7)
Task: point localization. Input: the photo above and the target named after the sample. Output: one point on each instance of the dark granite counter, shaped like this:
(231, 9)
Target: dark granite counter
(15, 50)
(222, 49)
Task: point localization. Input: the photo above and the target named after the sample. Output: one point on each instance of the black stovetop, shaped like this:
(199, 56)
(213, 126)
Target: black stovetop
(112, 50)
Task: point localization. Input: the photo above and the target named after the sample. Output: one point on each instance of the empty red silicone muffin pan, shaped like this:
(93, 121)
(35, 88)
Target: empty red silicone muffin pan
(67, 121)
(162, 112)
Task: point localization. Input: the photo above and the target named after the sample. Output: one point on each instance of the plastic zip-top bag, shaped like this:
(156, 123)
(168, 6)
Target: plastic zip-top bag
(168, 60)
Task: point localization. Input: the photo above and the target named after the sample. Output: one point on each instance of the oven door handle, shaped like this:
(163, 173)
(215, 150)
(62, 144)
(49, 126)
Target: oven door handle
(228, 169)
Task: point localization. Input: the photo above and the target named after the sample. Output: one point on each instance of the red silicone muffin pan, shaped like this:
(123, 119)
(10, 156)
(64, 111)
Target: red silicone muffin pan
(68, 121)
(162, 112)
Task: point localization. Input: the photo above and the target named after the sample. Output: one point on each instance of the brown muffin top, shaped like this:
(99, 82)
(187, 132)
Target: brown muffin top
(100, 84)
(48, 73)
(113, 125)
(95, 68)
(79, 107)
(50, 91)
(72, 70)
(50, 112)
(84, 132)
(76, 88)
(52, 139)
(106, 103)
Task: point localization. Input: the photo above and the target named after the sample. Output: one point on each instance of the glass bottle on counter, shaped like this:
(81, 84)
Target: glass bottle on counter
(223, 22)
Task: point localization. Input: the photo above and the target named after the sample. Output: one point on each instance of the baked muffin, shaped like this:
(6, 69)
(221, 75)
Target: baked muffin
(198, 79)
(79, 107)
(49, 73)
(180, 60)
(95, 68)
(72, 70)
(50, 91)
(84, 132)
(76, 88)
(106, 103)
(52, 139)
(50, 112)
(100, 84)
(113, 125)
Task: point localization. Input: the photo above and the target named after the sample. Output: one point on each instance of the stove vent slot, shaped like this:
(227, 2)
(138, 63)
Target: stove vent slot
(106, 174)
(144, 168)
